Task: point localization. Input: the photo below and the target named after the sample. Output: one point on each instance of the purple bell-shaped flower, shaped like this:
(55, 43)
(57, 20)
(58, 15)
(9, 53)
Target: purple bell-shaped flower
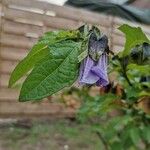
(93, 69)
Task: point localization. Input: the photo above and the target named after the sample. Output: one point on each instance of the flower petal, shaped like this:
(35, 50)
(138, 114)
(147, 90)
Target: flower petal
(92, 72)
(86, 75)
(101, 71)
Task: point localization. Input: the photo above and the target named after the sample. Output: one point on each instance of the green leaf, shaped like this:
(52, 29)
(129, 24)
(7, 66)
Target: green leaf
(117, 146)
(135, 135)
(58, 70)
(107, 102)
(131, 93)
(143, 93)
(84, 48)
(134, 36)
(146, 134)
(118, 122)
(39, 51)
(61, 34)
(83, 55)
(140, 69)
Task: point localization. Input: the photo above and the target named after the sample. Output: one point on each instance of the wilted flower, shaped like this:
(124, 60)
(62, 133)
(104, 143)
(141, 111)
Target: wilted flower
(93, 69)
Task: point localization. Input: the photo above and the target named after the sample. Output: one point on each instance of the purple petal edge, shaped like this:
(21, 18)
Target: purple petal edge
(92, 72)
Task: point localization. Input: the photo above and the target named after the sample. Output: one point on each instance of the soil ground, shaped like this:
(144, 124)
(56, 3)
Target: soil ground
(48, 135)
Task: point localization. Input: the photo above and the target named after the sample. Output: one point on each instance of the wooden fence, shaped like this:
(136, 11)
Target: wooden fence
(21, 23)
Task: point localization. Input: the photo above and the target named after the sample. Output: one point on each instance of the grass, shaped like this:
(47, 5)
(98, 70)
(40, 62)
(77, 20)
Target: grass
(54, 135)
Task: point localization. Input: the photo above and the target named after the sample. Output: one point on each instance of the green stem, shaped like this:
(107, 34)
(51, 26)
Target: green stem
(102, 140)
(123, 64)
(126, 77)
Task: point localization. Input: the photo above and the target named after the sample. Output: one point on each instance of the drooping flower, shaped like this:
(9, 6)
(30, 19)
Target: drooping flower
(93, 69)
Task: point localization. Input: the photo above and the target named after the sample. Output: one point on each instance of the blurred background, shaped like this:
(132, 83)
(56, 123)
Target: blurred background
(51, 124)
